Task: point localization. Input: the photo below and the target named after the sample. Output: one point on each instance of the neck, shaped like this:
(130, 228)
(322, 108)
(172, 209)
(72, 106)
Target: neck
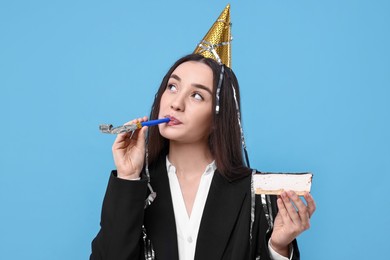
(189, 159)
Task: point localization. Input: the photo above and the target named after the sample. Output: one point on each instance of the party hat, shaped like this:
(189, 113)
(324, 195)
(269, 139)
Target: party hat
(216, 43)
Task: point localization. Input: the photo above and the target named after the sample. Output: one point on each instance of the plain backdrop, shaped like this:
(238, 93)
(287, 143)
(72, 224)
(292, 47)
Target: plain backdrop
(314, 76)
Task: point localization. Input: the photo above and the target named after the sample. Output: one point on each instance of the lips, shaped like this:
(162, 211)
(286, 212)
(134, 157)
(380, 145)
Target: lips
(174, 121)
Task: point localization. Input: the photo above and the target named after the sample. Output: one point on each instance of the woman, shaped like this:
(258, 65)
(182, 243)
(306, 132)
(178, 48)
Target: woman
(196, 167)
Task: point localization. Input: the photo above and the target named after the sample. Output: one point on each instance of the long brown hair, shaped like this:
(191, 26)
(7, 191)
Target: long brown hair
(225, 138)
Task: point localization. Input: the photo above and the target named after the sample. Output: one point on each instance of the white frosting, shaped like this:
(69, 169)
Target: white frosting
(275, 183)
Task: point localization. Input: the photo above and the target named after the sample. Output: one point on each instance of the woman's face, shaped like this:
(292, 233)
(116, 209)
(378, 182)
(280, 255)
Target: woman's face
(187, 100)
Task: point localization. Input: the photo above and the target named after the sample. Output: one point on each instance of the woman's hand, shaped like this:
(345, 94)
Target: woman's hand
(292, 219)
(129, 151)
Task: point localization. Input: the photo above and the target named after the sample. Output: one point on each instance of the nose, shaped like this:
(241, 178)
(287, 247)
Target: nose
(177, 103)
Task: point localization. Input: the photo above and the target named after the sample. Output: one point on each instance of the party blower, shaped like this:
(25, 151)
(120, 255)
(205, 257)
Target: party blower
(109, 129)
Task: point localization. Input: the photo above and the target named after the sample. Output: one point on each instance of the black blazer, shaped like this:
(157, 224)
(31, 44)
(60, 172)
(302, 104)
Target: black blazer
(224, 231)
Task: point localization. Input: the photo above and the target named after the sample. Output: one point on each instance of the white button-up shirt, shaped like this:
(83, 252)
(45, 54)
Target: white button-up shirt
(188, 226)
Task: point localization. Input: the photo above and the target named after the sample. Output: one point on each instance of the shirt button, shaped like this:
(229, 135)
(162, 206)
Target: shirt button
(189, 239)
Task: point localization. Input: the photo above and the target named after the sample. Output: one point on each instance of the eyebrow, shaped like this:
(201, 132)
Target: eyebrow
(194, 84)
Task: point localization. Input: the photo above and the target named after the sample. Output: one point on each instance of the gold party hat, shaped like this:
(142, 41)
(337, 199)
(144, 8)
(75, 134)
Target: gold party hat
(216, 43)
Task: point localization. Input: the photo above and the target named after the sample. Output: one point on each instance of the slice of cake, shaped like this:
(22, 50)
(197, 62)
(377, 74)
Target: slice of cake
(276, 183)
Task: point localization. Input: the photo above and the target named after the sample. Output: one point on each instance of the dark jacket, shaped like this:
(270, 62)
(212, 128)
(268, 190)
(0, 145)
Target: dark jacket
(224, 231)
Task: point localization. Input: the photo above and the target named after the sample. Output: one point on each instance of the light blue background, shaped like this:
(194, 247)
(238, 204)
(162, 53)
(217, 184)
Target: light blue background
(315, 97)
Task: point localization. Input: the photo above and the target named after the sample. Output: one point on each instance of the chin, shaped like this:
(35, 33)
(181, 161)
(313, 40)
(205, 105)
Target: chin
(171, 136)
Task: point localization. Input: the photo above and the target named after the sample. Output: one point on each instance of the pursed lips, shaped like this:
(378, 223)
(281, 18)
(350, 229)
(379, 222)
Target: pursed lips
(174, 121)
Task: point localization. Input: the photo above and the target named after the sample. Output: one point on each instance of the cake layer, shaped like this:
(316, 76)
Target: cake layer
(276, 183)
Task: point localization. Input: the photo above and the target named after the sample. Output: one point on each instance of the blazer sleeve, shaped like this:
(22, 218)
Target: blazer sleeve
(121, 220)
(262, 232)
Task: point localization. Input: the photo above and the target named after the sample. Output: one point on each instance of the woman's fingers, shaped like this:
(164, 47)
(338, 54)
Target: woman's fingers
(297, 210)
(121, 140)
(129, 150)
(130, 135)
(311, 205)
(283, 211)
(289, 200)
(291, 208)
(125, 141)
(293, 217)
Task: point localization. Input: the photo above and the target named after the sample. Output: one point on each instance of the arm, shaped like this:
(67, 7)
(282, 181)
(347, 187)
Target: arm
(123, 205)
(121, 220)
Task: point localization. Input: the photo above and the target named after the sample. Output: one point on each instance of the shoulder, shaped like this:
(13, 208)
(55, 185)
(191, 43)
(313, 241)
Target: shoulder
(237, 174)
(156, 167)
(241, 181)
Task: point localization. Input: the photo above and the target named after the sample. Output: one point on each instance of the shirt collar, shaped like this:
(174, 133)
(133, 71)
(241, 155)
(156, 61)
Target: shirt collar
(209, 168)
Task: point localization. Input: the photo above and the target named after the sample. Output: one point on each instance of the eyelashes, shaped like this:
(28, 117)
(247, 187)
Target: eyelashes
(172, 87)
(195, 94)
(198, 96)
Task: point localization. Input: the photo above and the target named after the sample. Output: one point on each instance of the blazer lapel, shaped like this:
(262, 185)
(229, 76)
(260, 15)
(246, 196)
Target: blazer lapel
(159, 216)
(222, 208)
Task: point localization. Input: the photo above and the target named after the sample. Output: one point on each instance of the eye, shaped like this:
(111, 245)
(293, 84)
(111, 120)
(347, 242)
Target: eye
(198, 96)
(172, 88)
